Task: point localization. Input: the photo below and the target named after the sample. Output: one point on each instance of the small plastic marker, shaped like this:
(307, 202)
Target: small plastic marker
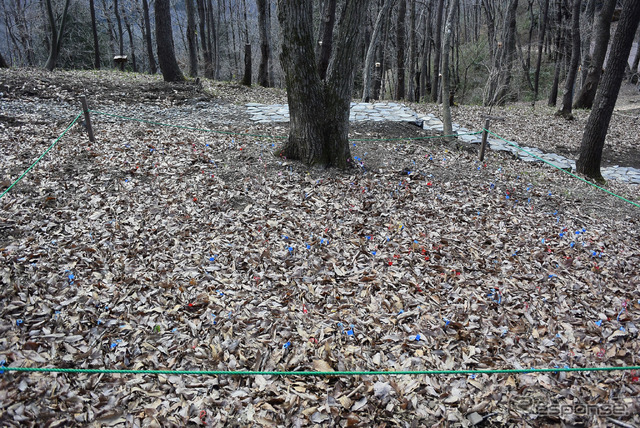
(18, 322)
(286, 345)
(599, 323)
(417, 337)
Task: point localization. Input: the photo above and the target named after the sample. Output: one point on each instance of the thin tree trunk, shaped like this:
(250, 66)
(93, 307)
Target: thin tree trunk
(116, 10)
(373, 44)
(192, 41)
(636, 62)
(567, 98)
(543, 29)
(132, 48)
(147, 24)
(56, 34)
(437, 52)
(202, 20)
(400, 55)
(412, 51)
(319, 109)
(502, 73)
(553, 94)
(246, 80)
(446, 78)
(94, 29)
(164, 39)
(326, 37)
(597, 125)
(603, 29)
(265, 45)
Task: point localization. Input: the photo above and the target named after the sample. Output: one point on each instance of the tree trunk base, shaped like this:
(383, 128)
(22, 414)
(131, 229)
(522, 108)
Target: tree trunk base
(565, 114)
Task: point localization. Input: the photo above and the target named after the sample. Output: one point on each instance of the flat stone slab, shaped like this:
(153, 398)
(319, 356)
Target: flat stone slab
(360, 112)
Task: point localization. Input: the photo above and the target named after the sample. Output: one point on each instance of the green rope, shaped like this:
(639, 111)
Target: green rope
(41, 156)
(564, 170)
(312, 373)
(190, 128)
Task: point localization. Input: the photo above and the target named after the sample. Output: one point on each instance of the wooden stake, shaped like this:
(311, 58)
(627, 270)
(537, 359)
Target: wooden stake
(484, 139)
(87, 118)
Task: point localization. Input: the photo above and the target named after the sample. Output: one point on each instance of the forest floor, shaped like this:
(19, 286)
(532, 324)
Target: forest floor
(179, 249)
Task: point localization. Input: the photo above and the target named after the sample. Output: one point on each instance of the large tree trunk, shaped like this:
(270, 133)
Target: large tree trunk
(598, 123)
(147, 23)
(319, 109)
(603, 29)
(326, 37)
(543, 30)
(373, 44)
(3, 63)
(435, 84)
(567, 98)
(94, 29)
(446, 78)
(400, 57)
(265, 44)
(164, 39)
(56, 34)
(192, 42)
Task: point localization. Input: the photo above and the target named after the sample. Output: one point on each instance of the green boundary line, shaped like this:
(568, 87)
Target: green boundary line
(313, 373)
(41, 156)
(563, 170)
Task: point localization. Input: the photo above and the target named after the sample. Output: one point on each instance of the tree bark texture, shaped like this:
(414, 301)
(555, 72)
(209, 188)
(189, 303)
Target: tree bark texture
(597, 125)
(56, 34)
(572, 73)
(132, 47)
(265, 44)
(325, 43)
(164, 39)
(94, 29)
(587, 93)
(435, 83)
(371, 50)
(3, 63)
(446, 78)
(553, 94)
(153, 67)
(319, 109)
(202, 28)
(400, 51)
(192, 42)
(543, 30)
(499, 82)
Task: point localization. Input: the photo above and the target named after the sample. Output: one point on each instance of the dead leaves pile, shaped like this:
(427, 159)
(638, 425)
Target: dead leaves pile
(159, 248)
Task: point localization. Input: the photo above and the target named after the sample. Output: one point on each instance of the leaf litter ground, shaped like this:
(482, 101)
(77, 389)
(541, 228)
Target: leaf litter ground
(162, 248)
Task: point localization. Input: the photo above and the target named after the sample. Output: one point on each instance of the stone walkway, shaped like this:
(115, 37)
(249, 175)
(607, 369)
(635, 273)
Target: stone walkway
(396, 112)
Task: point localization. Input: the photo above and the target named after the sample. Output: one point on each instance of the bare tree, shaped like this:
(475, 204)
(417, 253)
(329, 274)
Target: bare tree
(94, 29)
(164, 39)
(116, 10)
(597, 125)
(541, 34)
(246, 80)
(567, 98)
(319, 108)
(373, 44)
(56, 33)
(412, 51)
(264, 9)
(437, 48)
(132, 44)
(192, 42)
(553, 94)
(400, 53)
(499, 82)
(446, 78)
(147, 24)
(587, 93)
